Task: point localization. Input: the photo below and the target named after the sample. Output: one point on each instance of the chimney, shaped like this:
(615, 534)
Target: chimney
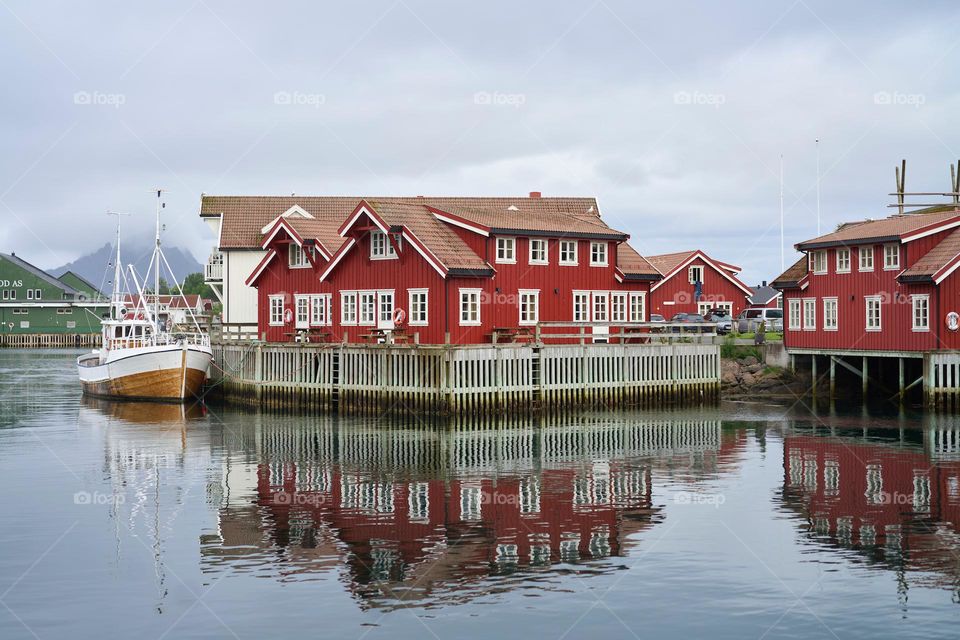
(535, 194)
(764, 283)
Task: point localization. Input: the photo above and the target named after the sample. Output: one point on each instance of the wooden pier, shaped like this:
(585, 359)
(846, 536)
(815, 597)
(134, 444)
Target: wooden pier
(458, 379)
(48, 340)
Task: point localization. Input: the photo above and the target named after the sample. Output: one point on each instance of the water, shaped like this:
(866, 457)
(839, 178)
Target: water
(748, 521)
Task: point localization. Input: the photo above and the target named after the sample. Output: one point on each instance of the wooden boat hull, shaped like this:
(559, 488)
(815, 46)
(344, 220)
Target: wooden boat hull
(172, 373)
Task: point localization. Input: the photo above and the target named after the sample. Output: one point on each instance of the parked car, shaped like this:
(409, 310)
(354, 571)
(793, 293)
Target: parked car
(724, 322)
(656, 317)
(748, 319)
(689, 318)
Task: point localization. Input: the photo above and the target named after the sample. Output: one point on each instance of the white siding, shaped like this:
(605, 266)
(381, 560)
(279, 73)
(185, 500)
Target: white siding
(239, 300)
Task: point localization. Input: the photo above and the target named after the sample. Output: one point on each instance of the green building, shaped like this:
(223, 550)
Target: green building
(37, 309)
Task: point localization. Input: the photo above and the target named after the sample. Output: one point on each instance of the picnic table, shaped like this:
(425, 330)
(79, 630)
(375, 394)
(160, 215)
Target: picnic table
(310, 335)
(395, 336)
(514, 334)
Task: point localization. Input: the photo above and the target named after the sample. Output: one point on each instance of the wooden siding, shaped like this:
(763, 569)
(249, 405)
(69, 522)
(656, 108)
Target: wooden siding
(676, 294)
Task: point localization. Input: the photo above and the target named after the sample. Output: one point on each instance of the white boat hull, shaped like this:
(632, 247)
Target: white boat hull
(172, 373)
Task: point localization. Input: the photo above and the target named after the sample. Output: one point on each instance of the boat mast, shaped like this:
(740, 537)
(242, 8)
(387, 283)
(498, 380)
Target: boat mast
(156, 272)
(117, 270)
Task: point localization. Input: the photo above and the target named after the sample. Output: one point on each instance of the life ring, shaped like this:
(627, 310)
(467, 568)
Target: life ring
(399, 315)
(288, 316)
(953, 321)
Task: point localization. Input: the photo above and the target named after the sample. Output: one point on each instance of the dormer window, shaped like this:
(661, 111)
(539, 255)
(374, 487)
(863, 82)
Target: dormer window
(297, 257)
(380, 246)
(695, 274)
(507, 250)
(891, 256)
(818, 262)
(598, 254)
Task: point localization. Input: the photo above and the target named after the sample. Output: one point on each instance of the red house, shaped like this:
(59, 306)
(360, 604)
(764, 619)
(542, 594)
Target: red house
(456, 269)
(695, 283)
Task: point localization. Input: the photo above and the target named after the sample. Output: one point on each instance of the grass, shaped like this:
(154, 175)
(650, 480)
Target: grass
(770, 336)
(731, 351)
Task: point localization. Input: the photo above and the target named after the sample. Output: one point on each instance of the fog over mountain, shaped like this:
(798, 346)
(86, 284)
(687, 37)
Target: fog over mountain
(97, 267)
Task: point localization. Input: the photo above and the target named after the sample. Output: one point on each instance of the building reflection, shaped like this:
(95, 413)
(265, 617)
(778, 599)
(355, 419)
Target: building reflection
(891, 496)
(408, 515)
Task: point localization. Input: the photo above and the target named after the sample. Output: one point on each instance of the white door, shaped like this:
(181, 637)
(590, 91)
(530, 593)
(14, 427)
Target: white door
(385, 310)
(303, 312)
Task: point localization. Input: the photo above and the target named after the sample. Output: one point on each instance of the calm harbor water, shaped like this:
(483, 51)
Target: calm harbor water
(747, 521)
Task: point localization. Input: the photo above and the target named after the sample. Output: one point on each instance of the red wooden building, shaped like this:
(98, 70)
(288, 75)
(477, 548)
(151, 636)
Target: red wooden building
(877, 288)
(445, 268)
(695, 283)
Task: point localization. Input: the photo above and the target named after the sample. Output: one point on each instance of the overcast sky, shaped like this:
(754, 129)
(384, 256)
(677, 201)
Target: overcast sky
(673, 114)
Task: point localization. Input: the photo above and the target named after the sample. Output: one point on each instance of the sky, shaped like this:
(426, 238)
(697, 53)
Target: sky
(674, 115)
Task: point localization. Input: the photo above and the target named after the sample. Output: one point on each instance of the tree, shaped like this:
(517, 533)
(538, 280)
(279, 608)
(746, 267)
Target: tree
(194, 284)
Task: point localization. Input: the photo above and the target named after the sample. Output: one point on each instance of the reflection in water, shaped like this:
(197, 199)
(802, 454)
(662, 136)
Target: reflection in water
(880, 495)
(426, 515)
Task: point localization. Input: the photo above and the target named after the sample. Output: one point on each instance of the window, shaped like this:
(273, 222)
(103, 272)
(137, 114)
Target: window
(302, 304)
(598, 254)
(818, 262)
(891, 256)
(469, 307)
(873, 313)
(866, 258)
(538, 251)
(599, 306)
(297, 257)
(695, 274)
(529, 306)
(418, 306)
(348, 307)
(829, 314)
(276, 311)
(843, 260)
(809, 314)
(380, 246)
(921, 312)
(618, 307)
(29, 294)
(637, 307)
(506, 250)
(568, 252)
(385, 305)
(64, 311)
(368, 308)
(581, 306)
(320, 310)
(36, 294)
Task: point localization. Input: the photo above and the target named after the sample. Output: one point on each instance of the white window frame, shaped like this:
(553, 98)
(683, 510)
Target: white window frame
(596, 297)
(37, 294)
(867, 300)
(384, 313)
(831, 324)
(503, 244)
(597, 248)
(320, 310)
(29, 294)
(925, 299)
(634, 297)
(381, 248)
(349, 308)
(840, 266)
(581, 302)
(297, 257)
(539, 242)
(413, 306)
(523, 297)
(619, 299)
(565, 246)
(696, 267)
(275, 319)
(367, 308)
(810, 313)
(818, 262)
(888, 264)
(466, 319)
(865, 252)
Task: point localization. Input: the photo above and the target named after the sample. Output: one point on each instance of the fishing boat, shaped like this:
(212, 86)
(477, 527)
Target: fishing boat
(141, 357)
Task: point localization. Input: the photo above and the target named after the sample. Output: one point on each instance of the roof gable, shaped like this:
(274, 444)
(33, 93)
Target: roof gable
(892, 229)
(38, 273)
(671, 264)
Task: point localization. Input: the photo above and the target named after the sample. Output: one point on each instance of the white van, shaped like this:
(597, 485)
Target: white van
(748, 319)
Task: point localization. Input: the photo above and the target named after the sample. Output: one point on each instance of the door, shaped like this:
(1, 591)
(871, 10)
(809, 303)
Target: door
(303, 312)
(385, 310)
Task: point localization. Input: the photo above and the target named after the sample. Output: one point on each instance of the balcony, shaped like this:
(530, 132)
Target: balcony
(213, 270)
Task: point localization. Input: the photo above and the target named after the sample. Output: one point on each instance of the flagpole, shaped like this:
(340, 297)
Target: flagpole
(818, 185)
(782, 265)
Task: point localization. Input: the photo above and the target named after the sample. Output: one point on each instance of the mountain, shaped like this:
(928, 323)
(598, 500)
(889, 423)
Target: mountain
(94, 265)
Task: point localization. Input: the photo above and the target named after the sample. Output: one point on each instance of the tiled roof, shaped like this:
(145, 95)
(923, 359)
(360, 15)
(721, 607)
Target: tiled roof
(935, 259)
(38, 272)
(791, 276)
(245, 216)
(667, 262)
(632, 263)
(886, 229)
(322, 228)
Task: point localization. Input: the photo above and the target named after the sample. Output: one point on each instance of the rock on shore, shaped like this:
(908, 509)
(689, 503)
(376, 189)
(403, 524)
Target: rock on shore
(748, 376)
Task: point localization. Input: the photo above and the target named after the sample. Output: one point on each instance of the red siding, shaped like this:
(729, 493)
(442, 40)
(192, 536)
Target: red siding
(499, 308)
(676, 294)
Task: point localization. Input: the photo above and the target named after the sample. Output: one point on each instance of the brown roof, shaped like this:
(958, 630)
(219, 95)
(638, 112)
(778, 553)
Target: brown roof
(667, 262)
(322, 228)
(245, 216)
(789, 278)
(935, 259)
(886, 229)
(632, 263)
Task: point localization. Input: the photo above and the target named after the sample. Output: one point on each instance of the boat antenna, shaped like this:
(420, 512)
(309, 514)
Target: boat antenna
(156, 272)
(117, 270)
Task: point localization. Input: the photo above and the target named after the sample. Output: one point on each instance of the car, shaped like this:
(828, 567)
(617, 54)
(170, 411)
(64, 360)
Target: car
(689, 318)
(748, 319)
(656, 317)
(724, 322)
